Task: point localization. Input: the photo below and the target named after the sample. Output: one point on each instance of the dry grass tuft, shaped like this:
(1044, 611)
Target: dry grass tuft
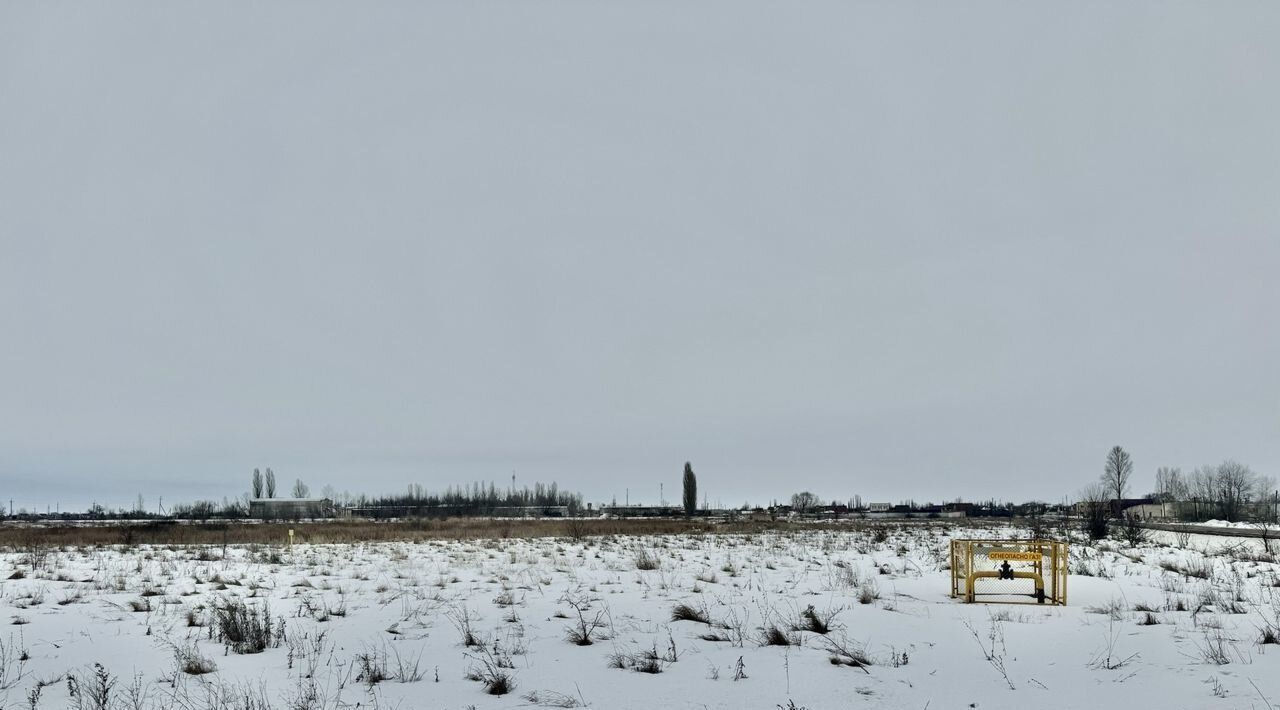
(685, 612)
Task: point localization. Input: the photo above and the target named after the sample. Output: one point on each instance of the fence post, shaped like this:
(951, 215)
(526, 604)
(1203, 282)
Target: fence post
(954, 589)
(968, 573)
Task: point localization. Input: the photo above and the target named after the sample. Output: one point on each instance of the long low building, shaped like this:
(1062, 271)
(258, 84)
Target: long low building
(291, 508)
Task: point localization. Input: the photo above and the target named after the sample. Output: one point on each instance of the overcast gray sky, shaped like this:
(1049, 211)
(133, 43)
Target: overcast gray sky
(901, 250)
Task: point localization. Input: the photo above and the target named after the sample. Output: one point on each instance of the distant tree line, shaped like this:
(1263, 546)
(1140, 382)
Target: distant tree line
(475, 499)
(227, 509)
(1228, 491)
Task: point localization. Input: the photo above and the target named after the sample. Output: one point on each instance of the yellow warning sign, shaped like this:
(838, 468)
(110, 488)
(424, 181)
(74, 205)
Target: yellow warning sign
(1012, 556)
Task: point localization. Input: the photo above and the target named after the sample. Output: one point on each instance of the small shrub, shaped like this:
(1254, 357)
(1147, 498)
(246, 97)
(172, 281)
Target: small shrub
(1200, 569)
(373, 668)
(846, 653)
(500, 684)
(552, 699)
(646, 661)
(460, 617)
(651, 666)
(190, 661)
(73, 597)
(810, 620)
(685, 612)
(93, 691)
(1215, 649)
(646, 561)
(1269, 636)
(1131, 530)
(587, 630)
(407, 670)
(868, 594)
(773, 636)
(1113, 609)
(490, 668)
(247, 629)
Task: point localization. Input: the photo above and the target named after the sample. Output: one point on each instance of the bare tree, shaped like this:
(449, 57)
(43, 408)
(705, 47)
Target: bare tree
(300, 489)
(803, 502)
(1236, 486)
(1229, 490)
(1094, 510)
(1201, 489)
(690, 490)
(271, 483)
(1116, 474)
(1267, 531)
(1168, 487)
(257, 483)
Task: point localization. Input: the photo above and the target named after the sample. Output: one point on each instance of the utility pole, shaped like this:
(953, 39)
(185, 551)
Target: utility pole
(662, 500)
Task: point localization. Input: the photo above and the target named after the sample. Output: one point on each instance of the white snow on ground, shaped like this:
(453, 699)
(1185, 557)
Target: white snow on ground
(1229, 524)
(404, 608)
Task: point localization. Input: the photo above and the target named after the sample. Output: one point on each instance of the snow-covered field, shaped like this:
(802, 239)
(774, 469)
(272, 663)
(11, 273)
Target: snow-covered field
(438, 624)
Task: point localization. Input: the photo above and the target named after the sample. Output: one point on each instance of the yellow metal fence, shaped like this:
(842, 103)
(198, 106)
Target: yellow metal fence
(1013, 571)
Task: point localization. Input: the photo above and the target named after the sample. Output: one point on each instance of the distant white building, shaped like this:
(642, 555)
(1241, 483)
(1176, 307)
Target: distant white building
(1147, 511)
(879, 507)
